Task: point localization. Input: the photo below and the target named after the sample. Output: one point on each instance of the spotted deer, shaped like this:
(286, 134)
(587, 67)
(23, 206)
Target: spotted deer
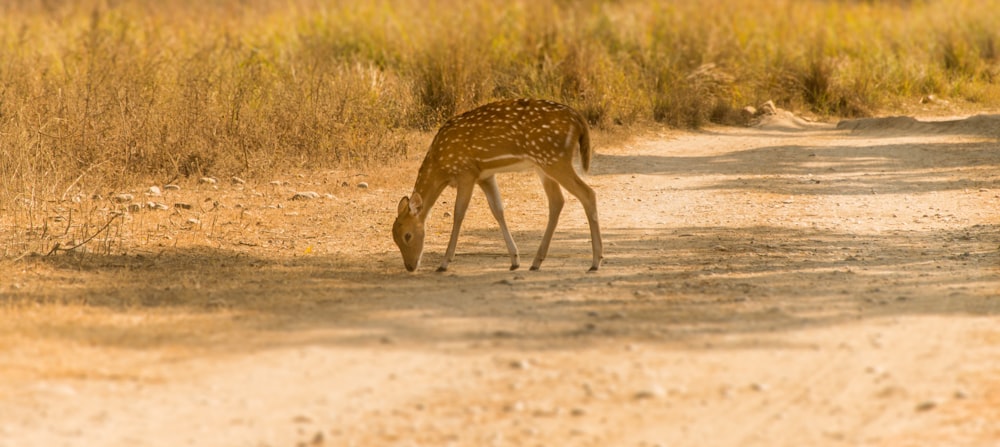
(503, 136)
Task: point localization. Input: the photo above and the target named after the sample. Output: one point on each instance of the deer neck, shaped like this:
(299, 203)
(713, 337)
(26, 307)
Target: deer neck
(430, 183)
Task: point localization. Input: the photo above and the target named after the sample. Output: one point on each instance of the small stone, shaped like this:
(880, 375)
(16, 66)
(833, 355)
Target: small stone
(926, 405)
(122, 198)
(193, 221)
(932, 99)
(134, 207)
(875, 370)
(217, 304)
(171, 188)
(157, 206)
(237, 181)
(277, 183)
(767, 108)
(208, 180)
(154, 191)
(653, 391)
(759, 387)
(514, 407)
(305, 195)
(363, 185)
(520, 364)
(183, 206)
(317, 439)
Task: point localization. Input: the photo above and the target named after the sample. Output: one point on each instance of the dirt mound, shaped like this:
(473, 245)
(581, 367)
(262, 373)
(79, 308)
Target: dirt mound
(988, 125)
(770, 117)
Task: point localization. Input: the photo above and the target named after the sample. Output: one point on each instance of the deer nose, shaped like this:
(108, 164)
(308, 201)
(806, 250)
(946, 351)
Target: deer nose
(410, 267)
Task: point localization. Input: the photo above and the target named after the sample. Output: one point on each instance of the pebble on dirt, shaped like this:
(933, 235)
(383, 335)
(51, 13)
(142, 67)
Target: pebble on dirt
(171, 188)
(122, 198)
(305, 195)
(653, 391)
(363, 185)
(520, 364)
(154, 191)
(208, 180)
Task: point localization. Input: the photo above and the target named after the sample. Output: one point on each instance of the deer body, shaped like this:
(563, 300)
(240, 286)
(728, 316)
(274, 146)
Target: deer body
(500, 137)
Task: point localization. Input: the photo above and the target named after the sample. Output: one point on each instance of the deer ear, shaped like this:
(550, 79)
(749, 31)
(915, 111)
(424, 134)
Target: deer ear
(404, 205)
(416, 203)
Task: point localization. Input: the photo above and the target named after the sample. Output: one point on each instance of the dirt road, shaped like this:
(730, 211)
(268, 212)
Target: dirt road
(782, 285)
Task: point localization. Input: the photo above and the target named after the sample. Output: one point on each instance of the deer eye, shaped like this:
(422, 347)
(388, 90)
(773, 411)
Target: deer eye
(407, 237)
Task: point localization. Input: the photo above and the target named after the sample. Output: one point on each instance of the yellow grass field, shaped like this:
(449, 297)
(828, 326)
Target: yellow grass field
(102, 93)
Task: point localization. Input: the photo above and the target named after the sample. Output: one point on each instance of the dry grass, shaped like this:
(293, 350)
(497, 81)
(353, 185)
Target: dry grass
(99, 96)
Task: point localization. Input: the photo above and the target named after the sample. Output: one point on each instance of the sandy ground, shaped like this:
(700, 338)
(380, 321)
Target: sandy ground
(790, 284)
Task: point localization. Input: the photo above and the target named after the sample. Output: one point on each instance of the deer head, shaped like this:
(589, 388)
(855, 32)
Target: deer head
(408, 231)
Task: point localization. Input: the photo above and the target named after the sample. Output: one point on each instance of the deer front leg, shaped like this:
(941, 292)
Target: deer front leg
(462, 199)
(556, 201)
(492, 191)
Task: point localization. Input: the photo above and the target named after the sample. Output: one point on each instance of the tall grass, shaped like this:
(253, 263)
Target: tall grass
(101, 94)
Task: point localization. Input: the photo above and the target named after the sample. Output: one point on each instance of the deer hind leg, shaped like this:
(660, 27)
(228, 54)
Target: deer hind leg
(492, 191)
(567, 177)
(556, 201)
(462, 199)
